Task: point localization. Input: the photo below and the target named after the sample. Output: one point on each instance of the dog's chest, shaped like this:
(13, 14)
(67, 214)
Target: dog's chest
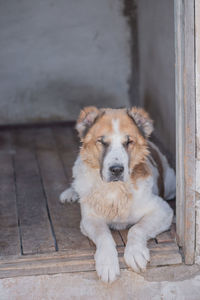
(118, 202)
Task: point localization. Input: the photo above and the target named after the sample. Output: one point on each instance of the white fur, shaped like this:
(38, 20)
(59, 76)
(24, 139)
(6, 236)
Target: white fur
(69, 195)
(116, 154)
(106, 258)
(149, 215)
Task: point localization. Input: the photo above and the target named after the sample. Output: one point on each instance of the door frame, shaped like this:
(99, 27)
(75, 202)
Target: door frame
(184, 16)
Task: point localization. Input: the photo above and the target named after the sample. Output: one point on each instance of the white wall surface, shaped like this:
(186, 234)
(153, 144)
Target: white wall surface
(59, 55)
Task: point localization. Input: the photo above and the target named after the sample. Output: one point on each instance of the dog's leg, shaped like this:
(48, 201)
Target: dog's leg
(156, 221)
(69, 195)
(106, 257)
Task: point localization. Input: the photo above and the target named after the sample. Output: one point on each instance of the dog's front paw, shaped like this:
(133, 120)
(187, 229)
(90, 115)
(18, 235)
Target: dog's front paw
(136, 256)
(107, 264)
(68, 195)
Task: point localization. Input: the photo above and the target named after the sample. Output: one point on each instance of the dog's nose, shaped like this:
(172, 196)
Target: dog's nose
(116, 170)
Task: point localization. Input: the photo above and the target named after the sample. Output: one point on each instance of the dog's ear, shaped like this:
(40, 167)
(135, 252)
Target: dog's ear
(142, 120)
(87, 117)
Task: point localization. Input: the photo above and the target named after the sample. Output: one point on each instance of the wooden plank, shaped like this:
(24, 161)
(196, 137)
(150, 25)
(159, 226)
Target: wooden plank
(56, 262)
(51, 265)
(67, 144)
(76, 261)
(173, 231)
(5, 141)
(179, 123)
(117, 238)
(197, 45)
(33, 216)
(190, 128)
(168, 246)
(65, 218)
(164, 253)
(47, 267)
(44, 139)
(165, 237)
(69, 254)
(162, 237)
(185, 132)
(123, 234)
(163, 258)
(9, 231)
(66, 138)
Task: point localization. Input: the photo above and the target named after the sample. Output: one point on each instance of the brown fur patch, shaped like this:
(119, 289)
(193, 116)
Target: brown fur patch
(86, 119)
(142, 120)
(140, 171)
(158, 164)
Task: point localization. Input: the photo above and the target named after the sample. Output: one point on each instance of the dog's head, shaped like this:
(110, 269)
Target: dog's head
(114, 141)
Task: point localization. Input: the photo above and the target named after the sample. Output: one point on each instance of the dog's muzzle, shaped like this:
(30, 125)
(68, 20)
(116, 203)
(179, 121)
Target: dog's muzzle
(116, 172)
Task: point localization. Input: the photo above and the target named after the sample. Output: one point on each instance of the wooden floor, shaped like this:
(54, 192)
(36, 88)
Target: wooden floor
(38, 234)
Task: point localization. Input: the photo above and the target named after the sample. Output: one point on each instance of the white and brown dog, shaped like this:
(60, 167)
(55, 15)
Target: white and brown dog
(119, 178)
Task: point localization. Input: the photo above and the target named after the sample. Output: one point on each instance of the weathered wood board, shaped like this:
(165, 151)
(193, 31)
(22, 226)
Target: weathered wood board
(9, 231)
(34, 222)
(186, 127)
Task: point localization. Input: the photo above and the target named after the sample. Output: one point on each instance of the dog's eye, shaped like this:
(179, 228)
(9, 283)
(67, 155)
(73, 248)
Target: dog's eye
(128, 142)
(102, 142)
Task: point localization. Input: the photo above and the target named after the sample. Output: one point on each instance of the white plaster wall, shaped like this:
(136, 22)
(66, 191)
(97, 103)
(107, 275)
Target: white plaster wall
(197, 29)
(59, 55)
(86, 286)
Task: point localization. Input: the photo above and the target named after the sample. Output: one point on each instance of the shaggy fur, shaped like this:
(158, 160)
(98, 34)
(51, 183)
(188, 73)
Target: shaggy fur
(110, 200)
(118, 176)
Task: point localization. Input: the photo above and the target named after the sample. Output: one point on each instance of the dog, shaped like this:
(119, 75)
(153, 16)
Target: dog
(120, 179)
